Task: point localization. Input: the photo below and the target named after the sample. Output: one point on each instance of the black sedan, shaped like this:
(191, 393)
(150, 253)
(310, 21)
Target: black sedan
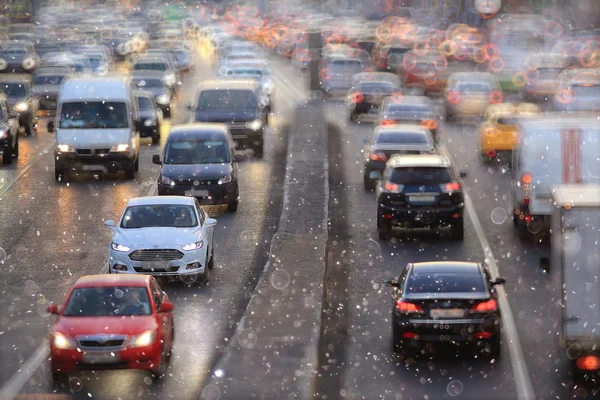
(150, 115)
(445, 302)
(199, 161)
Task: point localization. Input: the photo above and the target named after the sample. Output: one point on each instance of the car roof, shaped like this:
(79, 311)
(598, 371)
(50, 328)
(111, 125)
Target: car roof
(460, 267)
(420, 160)
(113, 280)
(154, 200)
(233, 84)
(200, 129)
(105, 88)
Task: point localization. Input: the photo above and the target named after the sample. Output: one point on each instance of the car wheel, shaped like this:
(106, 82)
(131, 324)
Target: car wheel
(522, 230)
(28, 129)
(161, 370)
(457, 229)
(156, 136)
(211, 261)
(232, 207)
(130, 171)
(7, 155)
(396, 341)
(353, 117)
(369, 183)
(16, 149)
(204, 277)
(259, 150)
(167, 112)
(494, 347)
(384, 229)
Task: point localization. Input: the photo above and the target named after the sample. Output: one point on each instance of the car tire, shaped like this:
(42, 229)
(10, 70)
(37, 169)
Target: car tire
(7, 155)
(161, 370)
(495, 347)
(369, 183)
(61, 175)
(130, 171)
(353, 117)
(28, 129)
(384, 229)
(457, 229)
(396, 340)
(258, 149)
(136, 163)
(156, 136)
(232, 207)
(211, 261)
(16, 148)
(523, 232)
(515, 218)
(167, 112)
(204, 277)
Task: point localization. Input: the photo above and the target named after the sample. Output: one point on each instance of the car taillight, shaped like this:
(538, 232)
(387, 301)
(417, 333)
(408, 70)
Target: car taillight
(391, 187)
(387, 122)
(408, 308)
(588, 363)
(357, 97)
(451, 187)
(485, 306)
(453, 97)
(429, 124)
(496, 97)
(526, 181)
(378, 157)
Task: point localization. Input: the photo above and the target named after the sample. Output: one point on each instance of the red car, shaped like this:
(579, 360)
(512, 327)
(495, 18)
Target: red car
(112, 322)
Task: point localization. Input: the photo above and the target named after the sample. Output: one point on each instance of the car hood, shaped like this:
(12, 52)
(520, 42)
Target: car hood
(240, 115)
(200, 172)
(155, 237)
(73, 326)
(93, 138)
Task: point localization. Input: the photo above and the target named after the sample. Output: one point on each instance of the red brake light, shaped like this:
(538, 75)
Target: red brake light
(485, 306)
(391, 187)
(453, 186)
(588, 363)
(357, 97)
(378, 157)
(408, 308)
(526, 179)
(429, 124)
(453, 97)
(388, 122)
(496, 97)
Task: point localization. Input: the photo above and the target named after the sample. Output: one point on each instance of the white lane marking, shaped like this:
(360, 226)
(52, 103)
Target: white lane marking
(20, 378)
(519, 365)
(5, 188)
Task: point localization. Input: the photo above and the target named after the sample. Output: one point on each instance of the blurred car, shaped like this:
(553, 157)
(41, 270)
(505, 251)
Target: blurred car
(249, 70)
(153, 81)
(168, 236)
(199, 161)
(470, 93)
(389, 140)
(46, 83)
(9, 129)
(100, 59)
(420, 191)
(18, 57)
(541, 74)
(17, 88)
(427, 71)
(445, 302)
(365, 96)
(78, 63)
(577, 90)
(169, 75)
(498, 133)
(112, 322)
(418, 110)
(388, 57)
(149, 114)
(336, 73)
(240, 104)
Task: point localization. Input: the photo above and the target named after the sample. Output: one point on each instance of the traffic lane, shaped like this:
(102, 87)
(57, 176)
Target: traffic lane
(206, 316)
(533, 295)
(370, 371)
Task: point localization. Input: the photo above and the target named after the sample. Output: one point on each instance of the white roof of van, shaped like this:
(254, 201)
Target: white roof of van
(95, 88)
(577, 195)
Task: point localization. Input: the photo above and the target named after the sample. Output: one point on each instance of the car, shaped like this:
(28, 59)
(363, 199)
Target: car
(388, 57)
(365, 96)
(337, 70)
(578, 90)
(445, 302)
(167, 236)
(17, 87)
(199, 161)
(420, 191)
(99, 57)
(498, 133)
(18, 57)
(45, 87)
(393, 139)
(149, 114)
(412, 110)
(241, 104)
(541, 74)
(112, 322)
(169, 74)
(251, 70)
(9, 130)
(152, 81)
(470, 93)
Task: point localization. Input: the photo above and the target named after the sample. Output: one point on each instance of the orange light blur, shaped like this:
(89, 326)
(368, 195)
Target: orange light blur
(429, 124)
(588, 363)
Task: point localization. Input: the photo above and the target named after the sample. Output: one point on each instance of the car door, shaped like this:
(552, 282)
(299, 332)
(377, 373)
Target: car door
(165, 319)
(13, 123)
(208, 230)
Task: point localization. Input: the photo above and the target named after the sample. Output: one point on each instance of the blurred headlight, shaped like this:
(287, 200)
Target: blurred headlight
(254, 125)
(145, 339)
(120, 148)
(3, 64)
(64, 148)
(165, 180)
(163, 99)
(102, 71)
(119, 247)
(193, 246)
(268, 87)
(21, 107)
(149, 122)
(225, 179)
(170, 79)
(63, 342)
(28, 63)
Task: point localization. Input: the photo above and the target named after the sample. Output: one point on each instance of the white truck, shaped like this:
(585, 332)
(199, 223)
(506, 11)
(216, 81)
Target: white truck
(575, 269)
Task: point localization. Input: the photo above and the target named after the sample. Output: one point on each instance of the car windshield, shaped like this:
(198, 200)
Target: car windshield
(420, 175)
(48, 79)
(159, 215)
(108, 301)
(13, 89)
(143, 83)
(93, 115)
(226, 99)
(402, 138)
(446, 282)
(144, 103)
(196, 151)
(146, 66)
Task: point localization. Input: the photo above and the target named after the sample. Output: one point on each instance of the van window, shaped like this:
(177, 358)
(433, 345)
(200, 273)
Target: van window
(94, 115)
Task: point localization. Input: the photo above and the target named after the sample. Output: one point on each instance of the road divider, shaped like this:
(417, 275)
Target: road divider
(274, 350)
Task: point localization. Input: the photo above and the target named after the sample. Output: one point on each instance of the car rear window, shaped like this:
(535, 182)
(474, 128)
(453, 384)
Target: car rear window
(402, 138)
(420, 175)
(380, 88)
(150, 67)
(226, 99)
(446, 282)
(346, 65)
(476, 87)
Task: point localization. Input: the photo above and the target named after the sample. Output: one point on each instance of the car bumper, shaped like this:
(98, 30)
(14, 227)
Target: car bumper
(452, 330)
(205, 194)
(420, 216)
(192, 263)
(110, 162)
(69, 361)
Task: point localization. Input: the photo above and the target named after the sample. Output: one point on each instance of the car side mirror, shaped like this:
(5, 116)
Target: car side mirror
(52, 309)
(50, 127)
(166, 307)
(545, 264)
(499, 281)
(210, 222)
(390, 282)
(463, 174)
(156, 159)
(109, 223)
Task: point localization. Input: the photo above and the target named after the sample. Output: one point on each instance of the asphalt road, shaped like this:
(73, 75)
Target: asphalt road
(53, 233)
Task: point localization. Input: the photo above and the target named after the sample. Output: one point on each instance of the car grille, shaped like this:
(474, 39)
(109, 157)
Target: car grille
(156, 255)
(89, 152)
(97, 343)
(189, 182)
(146, 270)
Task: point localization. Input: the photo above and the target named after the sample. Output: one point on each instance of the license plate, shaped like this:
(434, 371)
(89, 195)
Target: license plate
(447, 313)
(101, 358)
(153, 265)
(196, 193)
(421, 199)
(92, 167)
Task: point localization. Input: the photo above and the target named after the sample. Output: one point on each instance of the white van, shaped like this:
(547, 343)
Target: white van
(555, 149)
(97, 127)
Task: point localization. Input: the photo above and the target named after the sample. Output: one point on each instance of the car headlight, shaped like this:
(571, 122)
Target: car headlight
(254, 125)
(102, 71)
(64, 148)
(193, 246)
(268, 87)
(3, 64)
(169, 79)
(149, 122)
(63, 342)
(21, 106)
(165, 180)
(119, 247)
(145, 339)
(163, 99)
(120, 147)
(28, 63)
(225, 179)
